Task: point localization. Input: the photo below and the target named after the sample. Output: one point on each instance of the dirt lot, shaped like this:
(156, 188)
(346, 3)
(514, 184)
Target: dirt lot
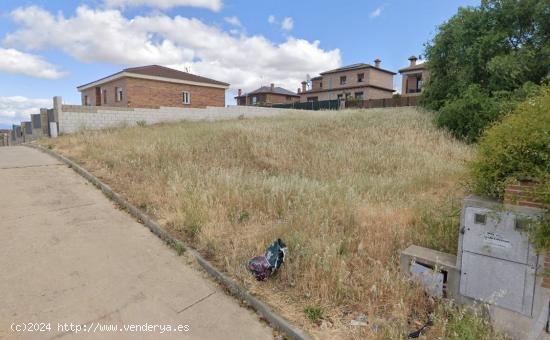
(345, 190)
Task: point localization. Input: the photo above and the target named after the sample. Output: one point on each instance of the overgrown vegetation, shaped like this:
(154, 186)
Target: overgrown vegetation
(518, 147)
(344, 190)
(464, 323)
(484, 60)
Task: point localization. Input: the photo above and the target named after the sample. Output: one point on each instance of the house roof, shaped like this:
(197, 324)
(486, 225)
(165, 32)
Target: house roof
(160, 73)
(267, 89)
(416, 67)
(356, 67)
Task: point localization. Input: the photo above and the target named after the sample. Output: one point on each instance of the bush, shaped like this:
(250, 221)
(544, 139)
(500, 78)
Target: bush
(467, 116)
(515, 148)
(518, 147)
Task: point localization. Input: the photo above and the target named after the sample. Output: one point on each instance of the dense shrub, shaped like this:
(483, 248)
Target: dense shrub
(467, 116)
(518, 146)
(488, 51)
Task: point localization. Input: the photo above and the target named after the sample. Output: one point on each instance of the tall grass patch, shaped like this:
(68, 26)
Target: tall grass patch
(345, 190)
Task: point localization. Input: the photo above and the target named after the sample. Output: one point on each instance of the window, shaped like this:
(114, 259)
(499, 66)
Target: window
(312, 99)
(288, 98)
(104, 95)
(118, 92)
(343, 80)
(320, 84)
(86, 101)
(254, 100)
(186, 97)
(360, 77)
(359, 95)
(340, 96)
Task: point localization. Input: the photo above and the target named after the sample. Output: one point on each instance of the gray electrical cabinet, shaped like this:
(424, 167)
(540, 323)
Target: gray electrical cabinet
(497, 262)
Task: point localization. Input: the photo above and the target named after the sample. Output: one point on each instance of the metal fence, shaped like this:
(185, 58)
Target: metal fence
(318, 105)
(352, 103)
(386, 102)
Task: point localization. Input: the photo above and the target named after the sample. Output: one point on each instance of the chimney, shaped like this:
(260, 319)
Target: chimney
(272, 87)
(304, 88)
(240, 92)
(377, 63)
(413, 60)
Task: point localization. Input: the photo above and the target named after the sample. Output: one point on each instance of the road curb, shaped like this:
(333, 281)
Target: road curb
(275, 320)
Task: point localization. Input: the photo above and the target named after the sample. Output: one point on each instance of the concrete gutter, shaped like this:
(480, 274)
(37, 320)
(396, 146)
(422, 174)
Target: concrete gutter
(275, 320)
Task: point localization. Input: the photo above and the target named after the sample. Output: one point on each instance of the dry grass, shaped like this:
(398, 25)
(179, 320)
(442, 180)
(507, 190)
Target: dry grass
(345, 191)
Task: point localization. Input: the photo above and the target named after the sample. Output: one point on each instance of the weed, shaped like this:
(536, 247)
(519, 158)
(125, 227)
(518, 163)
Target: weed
(243, 216)
(314, 314)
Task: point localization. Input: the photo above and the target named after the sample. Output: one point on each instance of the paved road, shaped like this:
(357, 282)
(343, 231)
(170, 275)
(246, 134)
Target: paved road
(67, 255)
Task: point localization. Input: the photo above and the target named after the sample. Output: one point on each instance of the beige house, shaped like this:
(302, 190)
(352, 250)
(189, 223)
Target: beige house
(267, 96)
(361, 81)
(154, 86)
(413, 77)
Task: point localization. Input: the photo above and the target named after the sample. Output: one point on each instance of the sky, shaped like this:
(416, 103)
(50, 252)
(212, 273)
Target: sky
(48, 48)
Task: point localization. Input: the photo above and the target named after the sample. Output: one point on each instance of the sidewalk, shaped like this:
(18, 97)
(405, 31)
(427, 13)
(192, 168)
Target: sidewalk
(67, 255)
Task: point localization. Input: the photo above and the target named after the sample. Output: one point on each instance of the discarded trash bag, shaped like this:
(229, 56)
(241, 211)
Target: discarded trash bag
(263, 266)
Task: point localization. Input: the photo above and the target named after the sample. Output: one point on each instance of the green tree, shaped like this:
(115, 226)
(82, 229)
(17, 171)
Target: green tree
(493, 50)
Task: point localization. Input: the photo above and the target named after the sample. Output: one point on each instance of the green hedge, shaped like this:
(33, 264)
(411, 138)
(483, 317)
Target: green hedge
(515, 148)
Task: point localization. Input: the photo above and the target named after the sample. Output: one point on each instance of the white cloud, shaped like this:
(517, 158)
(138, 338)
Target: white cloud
(93, 35)
(233, 21)
(287, 24)
(17, 62)
(214, 5)
(14, 110)
(376, 12)
(245, 61)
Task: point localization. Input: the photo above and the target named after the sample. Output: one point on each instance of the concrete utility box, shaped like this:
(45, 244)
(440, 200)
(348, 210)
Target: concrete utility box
(495, 264)
(496, 260)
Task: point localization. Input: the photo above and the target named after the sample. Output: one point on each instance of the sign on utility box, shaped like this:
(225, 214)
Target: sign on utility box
(497, 262)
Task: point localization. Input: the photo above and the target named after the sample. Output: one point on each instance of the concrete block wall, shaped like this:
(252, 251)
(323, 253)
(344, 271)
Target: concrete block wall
(73, 118)
(4, 139)
(44, 121)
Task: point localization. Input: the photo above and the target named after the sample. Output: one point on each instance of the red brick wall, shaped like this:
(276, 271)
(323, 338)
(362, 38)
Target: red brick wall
(281, 99)
(110, 87)
(523, 193)
(143, 93)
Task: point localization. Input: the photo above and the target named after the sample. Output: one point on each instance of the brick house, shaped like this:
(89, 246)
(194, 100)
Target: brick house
(152, 87)
(361, 81)
(413, 77)
(266, 96)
